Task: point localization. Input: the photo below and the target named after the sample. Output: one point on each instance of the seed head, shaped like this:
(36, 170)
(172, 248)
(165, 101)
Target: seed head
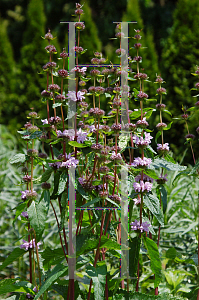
(95, 61)
(54, 87)
(55, 120)
(48, 36)
(64, 54)
(161, 91)
(142, 95)
(32, 128)
(120, 51)
(42, 155)
(78, 50)
(80, 25)
(161, 126)
(94, 72)
(45, 186)
(49, 65)
(119, 35)
(137, 45)
(27, 178)
(32, 152)
(51, 49)
(115, 198)
(160, 106)
(63, 73)
(190, 136)
(46, 94)
(79, 11)
(185, 116)
(60, 97)
(159, 79)
(140, 76)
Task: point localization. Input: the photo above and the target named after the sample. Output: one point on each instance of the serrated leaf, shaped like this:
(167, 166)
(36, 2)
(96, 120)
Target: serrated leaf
(98, 276)
(123, 141)
(56, 272)
(18, 158)
(163, 163)
(56, 185)
(91, 202)
(52, 256)
(46, 175)
(163, 193)
(35, 135)
(61, 290)
(195, 168)
(19, 209)
(8, 286)
(62, 183)
(134, 245)
(154, 256)
(37, 215)
(150, 173)
(56, 105)
(47, 200)
(153, 204)
(171, 253)
(76, 144)
(14, 255)
(64, 201)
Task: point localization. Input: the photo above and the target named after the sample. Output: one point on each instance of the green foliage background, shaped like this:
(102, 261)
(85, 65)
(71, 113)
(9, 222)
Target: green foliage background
(169, 33)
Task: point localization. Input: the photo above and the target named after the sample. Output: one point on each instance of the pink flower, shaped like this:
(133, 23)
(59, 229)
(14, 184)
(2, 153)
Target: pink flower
(72, 96)
(142, 186)
(27, 245)
(139, 162)
(81, 136)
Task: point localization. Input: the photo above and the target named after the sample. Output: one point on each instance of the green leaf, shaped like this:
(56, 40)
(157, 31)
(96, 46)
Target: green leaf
(163, 163)
(19, 209)
(18, 158)
(8, 286)
(46, 175)
(52, 257)
(37, 215)
(91, 202)
(56, 272)
(56, 105)
(158, 134)
(153, 205)
(123, 142)
(14, 255)
(195, 168)
(56, 185)
(47, 200)
(168, 112)
(163, 193)
(56, 141)
(35, 135)
(85, 244)
(61, 290)
(168, 126)
(98, 276)
(154, 256)
(151, 173)
(62, 183)
(134, 251)
(76, 144)
(111, 244)
(64, 202)
(171, 253)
